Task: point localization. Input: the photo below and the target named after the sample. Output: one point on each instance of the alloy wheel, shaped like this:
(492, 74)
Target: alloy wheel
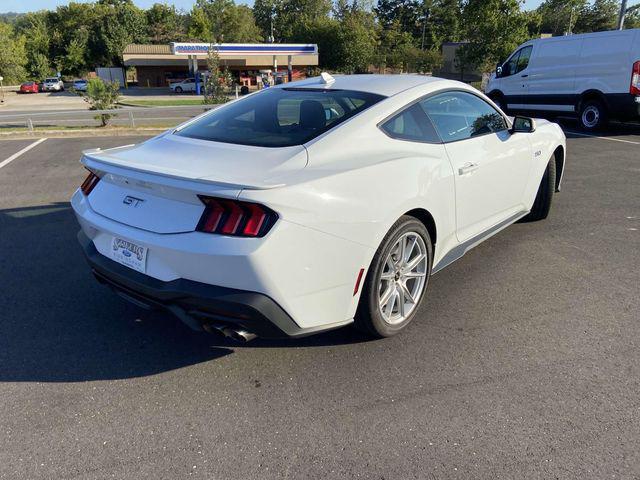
(403, 278)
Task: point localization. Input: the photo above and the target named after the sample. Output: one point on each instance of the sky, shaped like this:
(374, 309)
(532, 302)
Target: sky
(31, 5)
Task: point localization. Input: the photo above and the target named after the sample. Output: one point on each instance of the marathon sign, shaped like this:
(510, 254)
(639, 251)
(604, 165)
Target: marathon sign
(235, 49)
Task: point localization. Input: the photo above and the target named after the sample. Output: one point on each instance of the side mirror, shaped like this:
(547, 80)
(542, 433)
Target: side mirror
(498, 70)
(523, 125)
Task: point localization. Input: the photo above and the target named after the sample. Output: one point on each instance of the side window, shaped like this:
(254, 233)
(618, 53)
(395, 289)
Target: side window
(461, 115)
(511, 66)
(411, 124)
(523, 59)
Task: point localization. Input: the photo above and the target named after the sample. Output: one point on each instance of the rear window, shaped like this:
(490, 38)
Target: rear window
(280, 117)
(51, 80)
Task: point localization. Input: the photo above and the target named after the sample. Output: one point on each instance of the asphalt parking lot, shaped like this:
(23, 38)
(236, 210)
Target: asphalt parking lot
(523, 363)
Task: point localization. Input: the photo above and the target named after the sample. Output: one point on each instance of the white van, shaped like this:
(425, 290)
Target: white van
(593, 75)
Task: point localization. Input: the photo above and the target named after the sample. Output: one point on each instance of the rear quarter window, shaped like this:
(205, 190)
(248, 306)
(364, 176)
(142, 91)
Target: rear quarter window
(411, 124)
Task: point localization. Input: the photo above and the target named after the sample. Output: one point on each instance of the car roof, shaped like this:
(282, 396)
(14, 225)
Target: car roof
(386, 85)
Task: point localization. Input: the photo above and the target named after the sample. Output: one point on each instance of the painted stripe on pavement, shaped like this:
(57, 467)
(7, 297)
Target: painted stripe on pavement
(21, 152)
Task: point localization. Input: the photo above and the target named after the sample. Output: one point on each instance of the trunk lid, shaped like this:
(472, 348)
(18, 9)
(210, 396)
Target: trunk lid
(221, 163)
(155, 185)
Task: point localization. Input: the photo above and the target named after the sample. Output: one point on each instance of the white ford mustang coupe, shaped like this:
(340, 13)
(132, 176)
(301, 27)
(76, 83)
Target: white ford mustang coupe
(314, 204)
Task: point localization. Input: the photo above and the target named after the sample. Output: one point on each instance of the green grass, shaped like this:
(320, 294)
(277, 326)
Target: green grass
(164, 103)
(79, 128)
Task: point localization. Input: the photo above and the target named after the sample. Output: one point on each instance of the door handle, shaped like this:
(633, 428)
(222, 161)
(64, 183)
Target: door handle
(468, 168)
(525, 75)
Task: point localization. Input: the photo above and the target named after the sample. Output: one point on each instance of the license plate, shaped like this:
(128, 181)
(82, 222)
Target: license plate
(129, 254)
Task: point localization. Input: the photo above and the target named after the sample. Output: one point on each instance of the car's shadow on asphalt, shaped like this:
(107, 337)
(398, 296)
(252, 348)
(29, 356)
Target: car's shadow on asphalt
(57, 324)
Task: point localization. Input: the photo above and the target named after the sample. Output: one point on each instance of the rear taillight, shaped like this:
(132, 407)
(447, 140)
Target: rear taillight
(634, 88)
(232, 217)
(89, 183)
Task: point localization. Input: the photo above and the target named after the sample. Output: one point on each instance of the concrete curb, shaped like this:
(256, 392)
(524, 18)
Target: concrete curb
(125, 104)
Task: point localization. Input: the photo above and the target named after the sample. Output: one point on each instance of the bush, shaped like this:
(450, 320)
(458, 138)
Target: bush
(101, 95)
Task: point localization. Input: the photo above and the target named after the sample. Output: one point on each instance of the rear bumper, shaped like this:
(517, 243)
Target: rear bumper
(192, 302)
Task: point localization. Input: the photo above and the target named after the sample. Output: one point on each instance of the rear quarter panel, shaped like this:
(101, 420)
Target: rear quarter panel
(357, 190)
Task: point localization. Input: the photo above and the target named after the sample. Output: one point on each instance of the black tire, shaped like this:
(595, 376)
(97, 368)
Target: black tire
(178, 90)
(368, 317)
(592, 115)
(542, 203)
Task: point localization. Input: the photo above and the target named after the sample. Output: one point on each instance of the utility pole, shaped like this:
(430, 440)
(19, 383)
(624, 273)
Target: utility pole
(427, 14)
(271, 38)
(623, 12)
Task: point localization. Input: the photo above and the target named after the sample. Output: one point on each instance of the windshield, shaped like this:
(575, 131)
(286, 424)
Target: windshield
(280, 117)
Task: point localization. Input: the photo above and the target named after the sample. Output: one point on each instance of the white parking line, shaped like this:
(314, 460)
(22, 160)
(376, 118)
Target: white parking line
(602, 138)
(21, 152)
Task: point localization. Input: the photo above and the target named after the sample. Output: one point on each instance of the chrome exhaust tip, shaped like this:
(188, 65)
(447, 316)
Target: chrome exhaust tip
(238, 335)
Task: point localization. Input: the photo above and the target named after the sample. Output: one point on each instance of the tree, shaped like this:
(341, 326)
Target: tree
(632, 20)
(559, 16)
(534, 22)
(601, 15)
(13, 56)
(241, 26)
(357, 40)
(498, 20)
(218, 80)
(264, 12)
(74, 61)
(293, 18)
(70, 28)
(403, 12)
(164, 23)
(34, 27)
(119, 23)
(394, 44)
(443, 23)
(101, 95)
(200, 27)
(324, 32)
(223, 21)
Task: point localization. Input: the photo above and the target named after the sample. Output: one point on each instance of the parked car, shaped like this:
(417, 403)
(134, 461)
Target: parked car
(315, 204)
(29, 87)
(80, 85)
(186, 85)
(53, 84)
(595, 76)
